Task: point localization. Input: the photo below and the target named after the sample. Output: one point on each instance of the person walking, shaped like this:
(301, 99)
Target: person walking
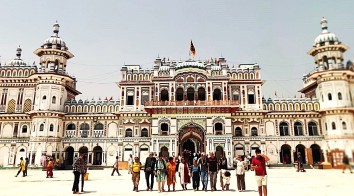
(49, 169)
(22, 167)
(171, 173)
(160, 173)
(195, 173)
(259, 166)
(203, 164)
(149, 169)
(83, 171)
(346, 164)
(26, 166)
(222, 168)
(115, 167)
(240, 174)
(130, 162)
(77, 170)
(213, 171)
(300, 164)
(183, 173)
(135, 168)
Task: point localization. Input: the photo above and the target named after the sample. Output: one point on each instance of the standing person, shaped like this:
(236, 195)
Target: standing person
(240, 174)
(259, 166)
(195, 173)
(183, 173)
(130, 162)
(22, 167)
(160, 173)
(135, 171)
(49, 168)
(77, 170)
(115, 167)
(83, 171)
(203, 163)
(346, 164)
(213, 170)
(222, 168)
(300, 165)
(171, 173)
(43, 161)
(149, 169)
(26, 166)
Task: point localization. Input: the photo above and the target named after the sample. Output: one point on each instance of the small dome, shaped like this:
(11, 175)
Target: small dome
(18, 62)
(215, 67)
(325, 35)
(164, 68)
(191, 64)
(54, 41)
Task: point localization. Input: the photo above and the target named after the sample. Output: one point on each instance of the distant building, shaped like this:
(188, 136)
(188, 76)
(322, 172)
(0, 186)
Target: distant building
(195, 105)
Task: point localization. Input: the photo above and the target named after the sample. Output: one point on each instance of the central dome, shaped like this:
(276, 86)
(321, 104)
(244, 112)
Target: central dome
(190, 64)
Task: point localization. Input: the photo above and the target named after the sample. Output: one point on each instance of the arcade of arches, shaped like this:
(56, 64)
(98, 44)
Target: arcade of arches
(312, 155)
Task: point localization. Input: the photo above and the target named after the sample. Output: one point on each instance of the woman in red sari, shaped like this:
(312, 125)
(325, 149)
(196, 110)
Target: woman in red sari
(183, 173)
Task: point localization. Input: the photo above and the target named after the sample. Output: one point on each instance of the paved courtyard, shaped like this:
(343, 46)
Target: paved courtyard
(281, 182)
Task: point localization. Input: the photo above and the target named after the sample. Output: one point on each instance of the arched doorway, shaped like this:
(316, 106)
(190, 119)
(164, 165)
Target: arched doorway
(217, 94)
(164, 95)
(179, 94)
(69, 155)
(189, 146)
(285, 154)
(164, 151)
(300, 149)
(97, 155)
(83, 150)
(189, 134)
(316, 153)
(201, 94)
(190, 94)
(219, 152)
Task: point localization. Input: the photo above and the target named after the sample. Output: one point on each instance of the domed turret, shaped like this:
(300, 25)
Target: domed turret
(18, 62)
(55, 41)
(325, 36)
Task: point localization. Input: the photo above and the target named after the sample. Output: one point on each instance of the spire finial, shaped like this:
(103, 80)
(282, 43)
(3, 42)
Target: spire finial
(18, 52)
(324, 23)
(56, 28)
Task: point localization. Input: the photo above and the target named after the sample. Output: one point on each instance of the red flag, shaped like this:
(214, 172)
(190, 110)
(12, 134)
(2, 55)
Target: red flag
(111, 98)
(192, 49)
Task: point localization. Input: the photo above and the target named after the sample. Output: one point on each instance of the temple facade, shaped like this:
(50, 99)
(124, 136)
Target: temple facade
(195, 105)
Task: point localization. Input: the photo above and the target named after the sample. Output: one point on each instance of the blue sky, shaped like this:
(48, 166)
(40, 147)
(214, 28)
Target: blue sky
(104, 35)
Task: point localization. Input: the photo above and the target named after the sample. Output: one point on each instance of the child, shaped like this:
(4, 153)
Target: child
(50, 168)
(195, 172)
(226, 175)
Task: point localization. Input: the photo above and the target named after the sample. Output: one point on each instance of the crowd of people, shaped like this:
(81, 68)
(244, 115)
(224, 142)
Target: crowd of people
(196, 169)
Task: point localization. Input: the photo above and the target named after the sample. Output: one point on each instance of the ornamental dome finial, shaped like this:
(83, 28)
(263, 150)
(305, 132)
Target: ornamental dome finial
(18, 52)
(56, 28)
(324, 24)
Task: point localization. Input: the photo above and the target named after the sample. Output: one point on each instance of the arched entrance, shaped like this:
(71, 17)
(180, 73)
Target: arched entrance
(201, 94)
(164, 151)
(191, 140)
(83, 150)
(316, 153)
(300, 149)
(219, 152)
(285, 154)
(97, 155)
(179, 94)
(190, 94)
(69, 155)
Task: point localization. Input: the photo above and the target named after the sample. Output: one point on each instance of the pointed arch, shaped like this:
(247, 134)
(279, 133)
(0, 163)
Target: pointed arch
(11, 106)
(27, 105)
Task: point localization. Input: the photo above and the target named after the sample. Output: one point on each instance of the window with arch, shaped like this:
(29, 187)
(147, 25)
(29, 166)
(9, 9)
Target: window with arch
(164, 129)
(128, 133)
(217, 94)
(340, 96)
(24, 129)
(51, 127)
(54, 99)
(329, 96)
(84, 127)
(238, 132)
(98, 126)
(298, 129)
(344, 126)
(333, 126)
(284, 129)
(218, 129)
(44, 98)
(144, 132)
(71, 127)
(312, 129)
(41, 127)
(164, 95)
(254, 131)
(179, 94)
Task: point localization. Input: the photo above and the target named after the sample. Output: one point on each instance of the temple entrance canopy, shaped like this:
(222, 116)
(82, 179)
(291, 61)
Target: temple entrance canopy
(191, 138)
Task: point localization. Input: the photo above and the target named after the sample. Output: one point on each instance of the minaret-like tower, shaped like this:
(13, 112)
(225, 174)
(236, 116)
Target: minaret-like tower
(54, 87)
(332, 83)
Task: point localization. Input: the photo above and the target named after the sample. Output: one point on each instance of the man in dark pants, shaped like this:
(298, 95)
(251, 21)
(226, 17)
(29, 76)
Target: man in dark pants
(83, 172)
(115, 167)
(77, 169)
(149, 169)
